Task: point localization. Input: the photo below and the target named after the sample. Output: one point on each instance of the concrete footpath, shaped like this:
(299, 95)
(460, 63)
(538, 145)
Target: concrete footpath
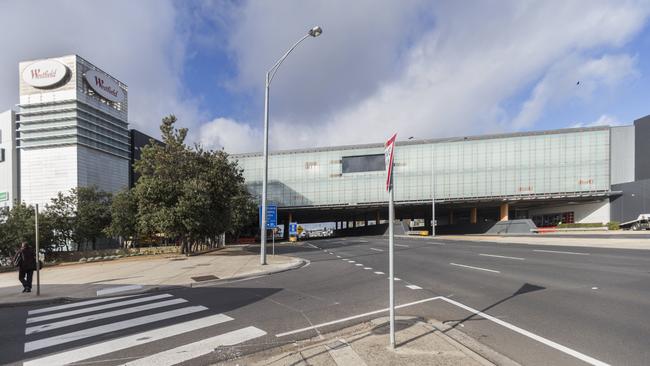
(418, 342)
(586, 239)
(139, 274)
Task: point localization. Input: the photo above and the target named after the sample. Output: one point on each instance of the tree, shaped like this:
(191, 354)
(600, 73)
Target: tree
(61, 214)
(162, 169)
(17, 225)
(79, 217)
(245, 214)
(187, 194)
(124, 209)
(93, 214)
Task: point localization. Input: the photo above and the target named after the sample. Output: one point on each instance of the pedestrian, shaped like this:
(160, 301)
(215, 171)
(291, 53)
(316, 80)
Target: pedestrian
(25, 260)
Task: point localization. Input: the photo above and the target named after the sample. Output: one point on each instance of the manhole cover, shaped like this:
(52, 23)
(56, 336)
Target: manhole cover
(205, 278)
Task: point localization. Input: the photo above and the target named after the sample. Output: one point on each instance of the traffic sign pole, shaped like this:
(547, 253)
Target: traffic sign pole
(391, 267)
(389, 155)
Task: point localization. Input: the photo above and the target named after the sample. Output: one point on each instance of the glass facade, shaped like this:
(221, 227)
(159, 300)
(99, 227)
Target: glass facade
(528, 165)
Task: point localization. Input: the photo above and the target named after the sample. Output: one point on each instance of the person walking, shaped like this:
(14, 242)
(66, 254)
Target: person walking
(25, 260)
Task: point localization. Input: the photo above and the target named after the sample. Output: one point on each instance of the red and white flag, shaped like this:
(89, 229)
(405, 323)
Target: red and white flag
(388, 155)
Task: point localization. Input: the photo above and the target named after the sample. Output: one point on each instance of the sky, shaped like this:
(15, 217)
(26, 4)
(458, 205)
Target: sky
(419, 68)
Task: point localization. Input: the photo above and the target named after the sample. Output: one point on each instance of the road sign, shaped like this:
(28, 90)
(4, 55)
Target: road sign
(293, 229)
(271, 216)
(4, 196)
(388, 156)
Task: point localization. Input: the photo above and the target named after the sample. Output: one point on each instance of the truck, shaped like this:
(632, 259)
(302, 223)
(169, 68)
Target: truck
(641, 223)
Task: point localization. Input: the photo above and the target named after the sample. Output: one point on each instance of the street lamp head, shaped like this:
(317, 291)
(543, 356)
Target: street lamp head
(316, 31)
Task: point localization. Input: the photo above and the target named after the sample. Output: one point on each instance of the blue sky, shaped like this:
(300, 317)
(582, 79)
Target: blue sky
(423, 69)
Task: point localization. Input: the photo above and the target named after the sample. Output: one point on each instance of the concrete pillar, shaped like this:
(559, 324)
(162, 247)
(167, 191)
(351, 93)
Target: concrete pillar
(473, 213)
(503, 209)
(354, 223)
(451, 216)
(378, 218)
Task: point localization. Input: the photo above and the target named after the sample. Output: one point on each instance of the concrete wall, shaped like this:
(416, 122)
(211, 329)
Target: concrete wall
(642, 148)
(622, 154)
(634, 201)
(8, 167)
(582, 213)
(45, 172)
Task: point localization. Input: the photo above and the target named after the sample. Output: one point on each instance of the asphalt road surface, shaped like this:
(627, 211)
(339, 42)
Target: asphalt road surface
(539, 306)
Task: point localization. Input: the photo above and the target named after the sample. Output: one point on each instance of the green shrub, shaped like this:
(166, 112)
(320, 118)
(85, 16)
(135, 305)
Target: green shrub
(614, 225)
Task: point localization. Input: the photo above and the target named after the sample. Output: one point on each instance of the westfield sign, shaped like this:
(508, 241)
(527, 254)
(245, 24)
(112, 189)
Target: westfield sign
(46, 73)
(104, 86)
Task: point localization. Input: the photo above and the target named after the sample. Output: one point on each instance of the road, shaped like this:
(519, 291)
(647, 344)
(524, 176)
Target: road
(544, 305)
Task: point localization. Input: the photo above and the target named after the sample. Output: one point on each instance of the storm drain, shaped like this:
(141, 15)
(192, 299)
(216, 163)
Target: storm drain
(204, 278)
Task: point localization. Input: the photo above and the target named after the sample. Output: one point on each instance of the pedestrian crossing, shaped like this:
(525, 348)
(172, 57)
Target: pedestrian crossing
(105, 326)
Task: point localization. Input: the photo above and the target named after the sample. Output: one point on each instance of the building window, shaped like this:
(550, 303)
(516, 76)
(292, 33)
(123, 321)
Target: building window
(363, 163)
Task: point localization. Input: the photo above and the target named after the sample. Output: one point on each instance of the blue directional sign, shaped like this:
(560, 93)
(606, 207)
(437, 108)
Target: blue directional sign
(293, 229)
(271, 216)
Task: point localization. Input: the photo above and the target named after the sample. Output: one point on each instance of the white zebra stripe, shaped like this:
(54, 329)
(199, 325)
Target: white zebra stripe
(133, 340)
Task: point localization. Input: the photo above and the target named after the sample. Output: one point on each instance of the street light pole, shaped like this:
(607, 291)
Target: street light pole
(314, 32)
(433, 192)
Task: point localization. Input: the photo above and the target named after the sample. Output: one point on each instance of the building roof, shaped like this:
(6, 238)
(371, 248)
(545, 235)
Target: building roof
(426, 141)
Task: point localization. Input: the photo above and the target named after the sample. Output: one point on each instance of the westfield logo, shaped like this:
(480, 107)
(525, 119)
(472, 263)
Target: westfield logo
(100, 83)
(38, 74)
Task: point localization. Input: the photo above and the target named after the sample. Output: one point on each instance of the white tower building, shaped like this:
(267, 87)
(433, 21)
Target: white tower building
(72, 128)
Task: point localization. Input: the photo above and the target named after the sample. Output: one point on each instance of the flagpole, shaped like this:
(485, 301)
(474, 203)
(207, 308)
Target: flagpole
(389, 155)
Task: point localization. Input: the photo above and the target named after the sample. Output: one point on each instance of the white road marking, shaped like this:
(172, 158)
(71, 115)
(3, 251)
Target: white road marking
(108, 328)
(133, 340)
(313, 246)
(560, 252)
(396, 279)
(379, 273)
(528, 334)
(401, 245)
(436, 243)
(352, 261)
(96, 308)
(110, 314)
(472, 267)
(512, 327)
(367, 268)
(502, 256)
(414, 287)
(353, 317)
(376, 250)
(594, 288)
(338, 256)
(197, 349)
(76, 304)
(358, 264)
(114, 290)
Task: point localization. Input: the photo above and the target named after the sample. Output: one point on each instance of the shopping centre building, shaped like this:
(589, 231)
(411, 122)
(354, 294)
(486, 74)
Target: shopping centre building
(576, 175)
(70, 130)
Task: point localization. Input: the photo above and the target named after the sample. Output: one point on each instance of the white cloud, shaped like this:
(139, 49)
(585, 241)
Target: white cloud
(603, 120)
(453, 76)
(574, 77)
(135, 41)
(231, 136)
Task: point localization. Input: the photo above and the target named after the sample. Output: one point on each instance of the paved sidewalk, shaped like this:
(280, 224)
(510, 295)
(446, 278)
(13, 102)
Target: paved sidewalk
(418, 343)
(623, 242)
(139, 274)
